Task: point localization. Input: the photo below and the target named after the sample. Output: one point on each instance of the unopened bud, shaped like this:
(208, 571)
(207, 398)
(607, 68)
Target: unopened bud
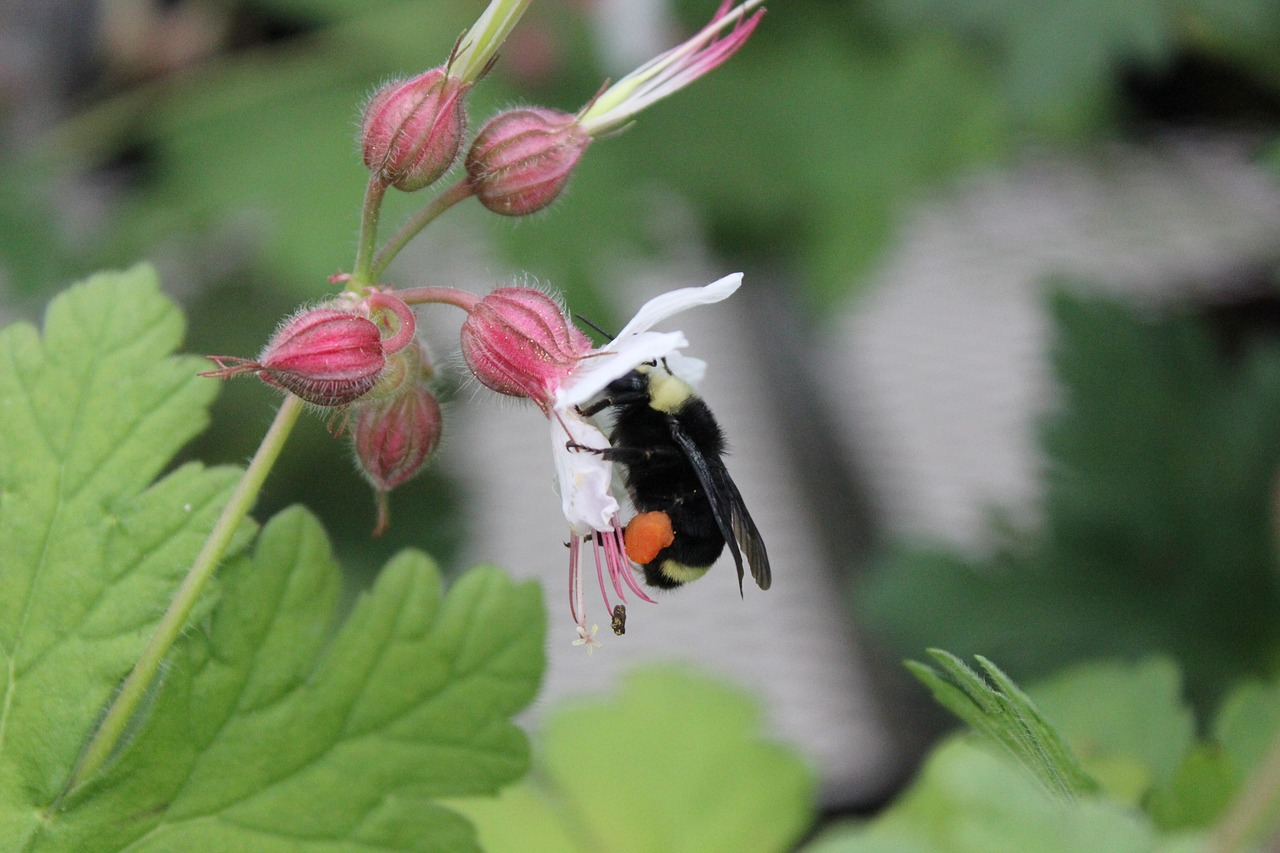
(521, 159)
(326, 356)
(393, 436)
(517, 341)
(413, 129)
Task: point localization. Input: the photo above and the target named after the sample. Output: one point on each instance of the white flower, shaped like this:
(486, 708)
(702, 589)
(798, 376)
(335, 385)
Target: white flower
(584, 478)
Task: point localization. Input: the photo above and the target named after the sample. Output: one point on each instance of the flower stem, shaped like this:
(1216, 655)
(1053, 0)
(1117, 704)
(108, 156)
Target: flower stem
(135, 687)
(464, 299)
(363, 275)
(438, 205)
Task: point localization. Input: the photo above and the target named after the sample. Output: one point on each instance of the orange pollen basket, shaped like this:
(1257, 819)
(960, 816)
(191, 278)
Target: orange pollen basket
(646, 535)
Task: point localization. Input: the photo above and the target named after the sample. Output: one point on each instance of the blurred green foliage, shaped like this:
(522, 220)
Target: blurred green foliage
(995, 707)
(676, 763)
(1159, 517)
(1162, 787)
(1056, 65)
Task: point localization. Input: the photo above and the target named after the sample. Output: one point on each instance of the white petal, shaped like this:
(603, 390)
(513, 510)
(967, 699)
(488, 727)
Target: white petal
(615, 361)
(584, 477)
(686, 367)
(673, 302)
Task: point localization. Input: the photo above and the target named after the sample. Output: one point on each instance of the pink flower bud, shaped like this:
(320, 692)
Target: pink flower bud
(393, 437)
(413, 128)
(522, 159)
(326, 356)
(517, 341)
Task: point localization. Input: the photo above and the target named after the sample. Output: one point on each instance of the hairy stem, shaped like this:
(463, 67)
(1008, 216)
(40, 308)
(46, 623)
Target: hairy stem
(438, 205)
(363, 274)
(134, 689)
(463, 299)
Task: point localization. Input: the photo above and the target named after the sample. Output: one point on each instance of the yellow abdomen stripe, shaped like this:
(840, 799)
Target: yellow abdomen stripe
(680, 573)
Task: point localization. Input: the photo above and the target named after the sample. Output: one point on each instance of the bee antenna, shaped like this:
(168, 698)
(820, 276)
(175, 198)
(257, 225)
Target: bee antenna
(587, 322)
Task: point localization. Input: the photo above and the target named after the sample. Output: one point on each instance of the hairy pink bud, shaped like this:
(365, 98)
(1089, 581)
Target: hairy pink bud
(522, 159)
(326, 356)
(517, 341)
(413, 129)
(394, 435)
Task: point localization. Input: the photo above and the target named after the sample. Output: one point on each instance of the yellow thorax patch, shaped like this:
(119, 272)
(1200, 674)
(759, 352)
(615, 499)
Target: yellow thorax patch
(667, 393)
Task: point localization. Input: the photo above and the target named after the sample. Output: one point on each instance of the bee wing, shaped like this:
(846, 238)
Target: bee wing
(744, 529)
(737, 528)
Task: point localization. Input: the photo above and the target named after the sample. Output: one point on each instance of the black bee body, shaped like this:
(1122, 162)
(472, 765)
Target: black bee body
(671, 448)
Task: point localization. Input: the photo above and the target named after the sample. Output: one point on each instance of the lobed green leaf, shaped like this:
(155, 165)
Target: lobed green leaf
(999, 710)
(969, 799)
(91, 410)
(272, 733)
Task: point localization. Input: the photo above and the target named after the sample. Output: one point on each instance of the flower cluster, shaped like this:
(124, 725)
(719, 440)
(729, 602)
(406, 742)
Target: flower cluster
(358, 354)
(522, 158)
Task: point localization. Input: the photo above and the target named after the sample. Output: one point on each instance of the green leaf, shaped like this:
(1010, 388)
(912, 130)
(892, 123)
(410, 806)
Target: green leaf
(1247, 724)
(675, 763)
(271, 735)
(999, 710)
(1127, 722)
(970, 800)
(1199, 792)
(90, 413)
(1214, 772)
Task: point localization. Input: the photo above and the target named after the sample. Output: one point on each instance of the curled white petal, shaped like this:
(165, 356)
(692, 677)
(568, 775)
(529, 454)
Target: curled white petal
(635, 344)
(584, 478)
(687, 367)
(614, 361)
(673, 302)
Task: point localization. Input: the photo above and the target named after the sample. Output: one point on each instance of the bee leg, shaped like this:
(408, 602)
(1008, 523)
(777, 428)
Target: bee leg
(574, 447)
(627, 455)
(616, 400)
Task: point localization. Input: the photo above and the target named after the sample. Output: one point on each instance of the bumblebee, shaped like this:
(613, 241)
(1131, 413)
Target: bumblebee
(688, 507)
